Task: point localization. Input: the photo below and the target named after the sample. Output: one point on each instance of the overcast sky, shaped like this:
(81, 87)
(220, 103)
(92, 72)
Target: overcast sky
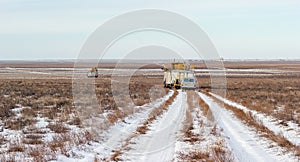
(56, 29)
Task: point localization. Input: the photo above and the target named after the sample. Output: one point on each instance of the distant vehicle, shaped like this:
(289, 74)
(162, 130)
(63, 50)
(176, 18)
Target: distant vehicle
(175, 73)
(93, 73)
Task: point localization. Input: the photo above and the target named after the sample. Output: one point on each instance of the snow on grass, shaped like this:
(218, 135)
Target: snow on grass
(291, 131)
(88, 157)
(115, 136)
(245, 142)
(18, 111)
(13, 136)
(41, 122)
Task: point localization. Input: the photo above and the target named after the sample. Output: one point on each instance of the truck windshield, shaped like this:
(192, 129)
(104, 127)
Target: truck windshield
(188, 80)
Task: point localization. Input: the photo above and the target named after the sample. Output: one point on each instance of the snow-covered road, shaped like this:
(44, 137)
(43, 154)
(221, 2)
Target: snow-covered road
(163, 138)
(290, 131)
(245, 142)
(158, 144)
(117, 134)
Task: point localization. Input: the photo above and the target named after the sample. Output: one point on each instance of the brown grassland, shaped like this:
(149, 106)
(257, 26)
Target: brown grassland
(52, 99)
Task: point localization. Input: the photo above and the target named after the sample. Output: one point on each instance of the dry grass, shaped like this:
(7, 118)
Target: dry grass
(58, 127)
(276, 97)
(33, 139)
(16, 146)
(219, 154)
(8, 157)
(19, 123)
(37, 153)
(115, 116)
(142, 129)
(96, 159)
(2, 139)
(196, 156)
(58, 142)
(75, 121)
(214, 153)
(5, 110)
(53, 99)
(205, 109)
(115, 156)
(188, 121)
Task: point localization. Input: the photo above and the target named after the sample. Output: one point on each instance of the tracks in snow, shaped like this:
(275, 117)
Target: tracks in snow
(162, 138)
(202, 139)
(117, 135)
(164, 141)
(158, 144)
(290, 131)
(245, 142)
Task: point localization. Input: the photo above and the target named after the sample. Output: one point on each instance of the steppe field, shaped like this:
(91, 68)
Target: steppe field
(257, 118)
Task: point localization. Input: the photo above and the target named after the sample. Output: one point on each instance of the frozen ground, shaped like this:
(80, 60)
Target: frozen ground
(290, 131)
(164, 142)
(116, 135)
(245, 142)
(158, 144)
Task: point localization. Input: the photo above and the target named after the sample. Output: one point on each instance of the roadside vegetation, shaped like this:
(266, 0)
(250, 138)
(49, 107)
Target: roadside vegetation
(39, 120)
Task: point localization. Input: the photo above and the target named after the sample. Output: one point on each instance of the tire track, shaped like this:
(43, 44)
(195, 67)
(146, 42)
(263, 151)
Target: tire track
(245, 142)
(144, 128)
(202, 139)
(158, 142)
(290, 133)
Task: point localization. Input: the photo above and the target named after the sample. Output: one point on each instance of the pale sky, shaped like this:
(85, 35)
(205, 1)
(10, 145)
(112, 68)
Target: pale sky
(56, 29)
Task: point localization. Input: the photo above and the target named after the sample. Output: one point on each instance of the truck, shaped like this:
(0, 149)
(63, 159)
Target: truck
(189, 83)
(175, 74)
(93, 73)
(172, 78)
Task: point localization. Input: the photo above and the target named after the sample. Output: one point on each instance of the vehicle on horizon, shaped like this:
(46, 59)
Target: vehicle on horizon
(93, 73)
